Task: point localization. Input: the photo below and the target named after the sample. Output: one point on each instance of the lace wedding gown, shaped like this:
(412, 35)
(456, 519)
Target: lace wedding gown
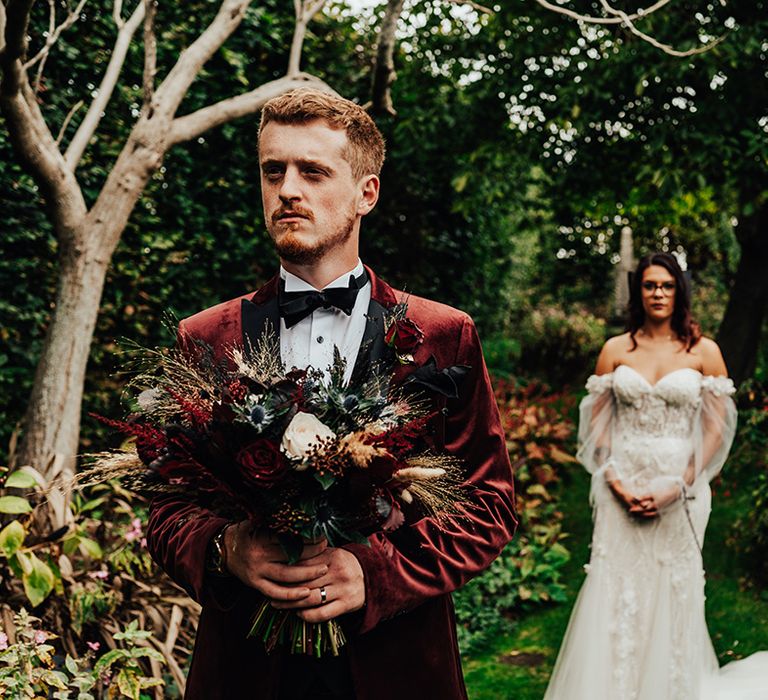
(637, 631)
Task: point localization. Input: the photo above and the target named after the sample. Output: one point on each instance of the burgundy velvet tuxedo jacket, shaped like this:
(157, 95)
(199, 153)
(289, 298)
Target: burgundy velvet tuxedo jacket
(402, 644)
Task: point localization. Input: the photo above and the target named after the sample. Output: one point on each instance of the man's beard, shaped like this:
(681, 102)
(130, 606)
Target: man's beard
(292, 248)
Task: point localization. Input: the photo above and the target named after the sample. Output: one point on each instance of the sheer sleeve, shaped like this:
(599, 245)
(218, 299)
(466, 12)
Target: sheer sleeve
(596, 419)
(714, 431)
(714, 427)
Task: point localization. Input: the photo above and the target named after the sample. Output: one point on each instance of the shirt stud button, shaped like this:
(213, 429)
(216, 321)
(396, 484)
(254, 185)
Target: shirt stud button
(320, 339)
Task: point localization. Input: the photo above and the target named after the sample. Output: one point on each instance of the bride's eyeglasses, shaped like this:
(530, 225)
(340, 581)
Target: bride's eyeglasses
(667, 288)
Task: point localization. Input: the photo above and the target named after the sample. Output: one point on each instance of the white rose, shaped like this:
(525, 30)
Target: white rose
(304, 431)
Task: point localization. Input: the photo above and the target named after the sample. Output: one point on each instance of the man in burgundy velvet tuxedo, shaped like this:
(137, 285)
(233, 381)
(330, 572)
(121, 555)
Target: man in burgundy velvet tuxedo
(320, 157)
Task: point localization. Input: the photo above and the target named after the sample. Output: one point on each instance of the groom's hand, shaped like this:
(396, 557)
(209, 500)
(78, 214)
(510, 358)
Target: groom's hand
(259, 562)
(344, 587)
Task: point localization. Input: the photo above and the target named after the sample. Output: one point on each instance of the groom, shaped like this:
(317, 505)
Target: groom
(320, 158)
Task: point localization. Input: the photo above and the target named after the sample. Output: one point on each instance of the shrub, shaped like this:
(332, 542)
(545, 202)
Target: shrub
(529, 571)
(560, 346)
(748, 464)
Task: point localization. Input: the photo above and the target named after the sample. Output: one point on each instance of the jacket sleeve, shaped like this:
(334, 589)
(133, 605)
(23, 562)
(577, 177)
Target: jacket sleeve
(178, 536)
(403, 569)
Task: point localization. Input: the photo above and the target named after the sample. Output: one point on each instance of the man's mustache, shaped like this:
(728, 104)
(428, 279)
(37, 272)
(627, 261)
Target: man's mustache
(291, 211)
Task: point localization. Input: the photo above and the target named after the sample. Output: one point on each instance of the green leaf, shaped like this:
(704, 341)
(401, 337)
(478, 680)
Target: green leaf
(325, 480)
(20, 480)
(38, 583)
(108, 659)
(14, 505)
(91, 548)
(128, 684)
(71, 665)
(12, 537)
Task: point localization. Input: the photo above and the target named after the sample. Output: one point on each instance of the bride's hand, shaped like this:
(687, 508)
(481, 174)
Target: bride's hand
(645, 507)
(638, 506)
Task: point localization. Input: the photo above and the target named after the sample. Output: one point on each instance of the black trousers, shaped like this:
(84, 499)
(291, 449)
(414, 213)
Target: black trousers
(304, 677)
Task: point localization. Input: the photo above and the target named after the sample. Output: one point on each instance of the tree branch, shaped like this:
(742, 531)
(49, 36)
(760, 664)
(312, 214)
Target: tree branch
(192, 125)
(15, 48)
(92, 118)
(54, 33)
(173, 89)
(34, 143)
(644, 12)
(478, 7)
(68, 119)
(384, 70)
(150, 52)
(305, 11)
(626, 21)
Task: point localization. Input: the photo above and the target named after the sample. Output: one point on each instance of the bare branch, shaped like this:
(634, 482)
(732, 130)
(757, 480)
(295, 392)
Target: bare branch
(54, 33)
(92, 118)
(384, 71)
(117, 13)
(51, 30)
(173, 89)
(2, 28)
(644, 12)
(477, 6)
(192, 125)
(150, 52)
(37, 149)
(626, 21)
(305, 11)
(68, 119)
(16, 21)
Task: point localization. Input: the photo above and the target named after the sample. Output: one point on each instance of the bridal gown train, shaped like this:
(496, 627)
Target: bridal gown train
(637, 630)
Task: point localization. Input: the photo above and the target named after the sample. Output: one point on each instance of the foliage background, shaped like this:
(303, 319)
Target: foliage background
(522, 144)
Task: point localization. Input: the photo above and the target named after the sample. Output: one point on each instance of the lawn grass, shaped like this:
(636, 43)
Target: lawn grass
(518, 664)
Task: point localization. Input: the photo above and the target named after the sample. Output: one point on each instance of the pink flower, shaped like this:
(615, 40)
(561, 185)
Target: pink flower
(40, 637)
(135, 533)
(101, 574)
(3, 641)
(94, 646)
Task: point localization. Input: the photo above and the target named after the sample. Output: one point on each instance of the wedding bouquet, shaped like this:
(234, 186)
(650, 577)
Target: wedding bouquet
(300, 454)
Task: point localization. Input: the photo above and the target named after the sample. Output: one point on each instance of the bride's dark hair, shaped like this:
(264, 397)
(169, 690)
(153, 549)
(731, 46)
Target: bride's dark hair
(688, 331)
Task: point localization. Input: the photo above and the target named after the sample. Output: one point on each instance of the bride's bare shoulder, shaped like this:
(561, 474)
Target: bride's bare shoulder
(710, 356)
(612, 351)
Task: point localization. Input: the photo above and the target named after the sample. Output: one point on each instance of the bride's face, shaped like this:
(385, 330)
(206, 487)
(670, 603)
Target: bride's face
(658, 289)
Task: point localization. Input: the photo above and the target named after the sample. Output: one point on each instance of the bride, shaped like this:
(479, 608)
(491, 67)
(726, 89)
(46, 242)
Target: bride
(655, 428)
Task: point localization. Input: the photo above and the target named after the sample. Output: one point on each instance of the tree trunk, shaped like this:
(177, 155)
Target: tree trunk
(742, 325)
(52, 422)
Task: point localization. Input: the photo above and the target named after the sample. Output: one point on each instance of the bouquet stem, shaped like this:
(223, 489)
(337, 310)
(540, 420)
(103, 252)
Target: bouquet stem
(282, 628)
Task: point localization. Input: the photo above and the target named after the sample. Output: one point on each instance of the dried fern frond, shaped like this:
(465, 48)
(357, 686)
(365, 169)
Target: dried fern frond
(103, 466)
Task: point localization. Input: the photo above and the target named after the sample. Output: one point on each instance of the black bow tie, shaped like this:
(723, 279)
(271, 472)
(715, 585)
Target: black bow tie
(295, 306)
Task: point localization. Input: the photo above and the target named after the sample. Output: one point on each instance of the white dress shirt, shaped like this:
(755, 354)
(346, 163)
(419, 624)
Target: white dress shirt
(310, 342)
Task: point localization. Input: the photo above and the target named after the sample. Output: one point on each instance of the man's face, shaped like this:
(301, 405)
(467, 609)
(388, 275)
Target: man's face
(312, 202)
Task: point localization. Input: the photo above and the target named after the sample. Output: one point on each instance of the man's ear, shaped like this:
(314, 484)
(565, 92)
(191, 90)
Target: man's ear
(370, 194)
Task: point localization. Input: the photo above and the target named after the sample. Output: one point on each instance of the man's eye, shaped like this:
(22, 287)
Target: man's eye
(272, 172)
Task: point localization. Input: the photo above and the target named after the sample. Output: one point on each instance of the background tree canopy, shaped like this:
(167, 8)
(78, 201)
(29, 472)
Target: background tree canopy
(523, 142)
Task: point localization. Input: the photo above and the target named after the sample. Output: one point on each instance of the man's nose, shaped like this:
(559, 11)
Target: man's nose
(290, 188)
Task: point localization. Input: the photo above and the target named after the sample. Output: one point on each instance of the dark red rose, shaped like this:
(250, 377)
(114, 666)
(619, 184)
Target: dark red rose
(262, 464)
(404, 335)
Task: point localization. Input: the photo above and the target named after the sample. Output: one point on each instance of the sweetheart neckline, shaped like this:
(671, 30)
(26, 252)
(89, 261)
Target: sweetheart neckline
(662, 378)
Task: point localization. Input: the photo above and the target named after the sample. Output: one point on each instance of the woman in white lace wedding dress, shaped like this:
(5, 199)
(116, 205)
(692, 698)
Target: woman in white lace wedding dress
(655, 427)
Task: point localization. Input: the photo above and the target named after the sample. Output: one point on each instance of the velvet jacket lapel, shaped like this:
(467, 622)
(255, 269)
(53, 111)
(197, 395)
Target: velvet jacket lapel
(261, 312)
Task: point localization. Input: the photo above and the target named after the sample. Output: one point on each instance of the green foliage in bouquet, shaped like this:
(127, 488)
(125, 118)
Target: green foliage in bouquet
(529, 571)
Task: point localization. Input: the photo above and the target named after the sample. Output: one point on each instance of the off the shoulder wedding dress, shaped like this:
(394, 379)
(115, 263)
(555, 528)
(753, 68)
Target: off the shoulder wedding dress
(637, 631)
